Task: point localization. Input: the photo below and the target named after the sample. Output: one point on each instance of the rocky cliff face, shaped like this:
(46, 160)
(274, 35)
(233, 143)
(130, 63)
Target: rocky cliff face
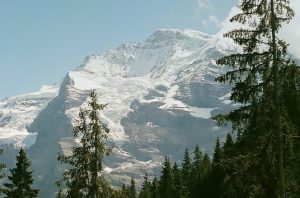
(160, 93)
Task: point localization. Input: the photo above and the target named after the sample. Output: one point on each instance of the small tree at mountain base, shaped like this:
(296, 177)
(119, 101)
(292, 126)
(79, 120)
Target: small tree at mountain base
(21, 179)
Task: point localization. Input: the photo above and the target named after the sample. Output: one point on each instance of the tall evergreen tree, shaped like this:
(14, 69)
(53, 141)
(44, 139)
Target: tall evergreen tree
(83, 178)
(179, 193)
(146, 188)
(205, 185)
(218, 154)
(186, 173)
(166, 183)
(21, 179)
(155, 188)
(132, 188)
(97, 141)
(217, 175)
(228, 146)
(77, 179)
(197, 172)
(261, 121)
(2, 175)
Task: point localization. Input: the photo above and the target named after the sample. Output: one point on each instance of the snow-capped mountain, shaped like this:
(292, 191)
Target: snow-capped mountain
(160, 93)
(16, 113)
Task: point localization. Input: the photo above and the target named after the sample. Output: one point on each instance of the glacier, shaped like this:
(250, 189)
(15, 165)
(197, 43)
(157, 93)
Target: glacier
(161, 94)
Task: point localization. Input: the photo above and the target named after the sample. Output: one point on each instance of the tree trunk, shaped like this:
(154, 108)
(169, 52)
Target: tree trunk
(277, 122)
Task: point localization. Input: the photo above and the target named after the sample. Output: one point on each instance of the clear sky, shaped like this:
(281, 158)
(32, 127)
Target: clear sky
(40, 41)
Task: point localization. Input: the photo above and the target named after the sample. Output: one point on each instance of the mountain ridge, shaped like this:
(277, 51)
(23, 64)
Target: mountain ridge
(160, 92)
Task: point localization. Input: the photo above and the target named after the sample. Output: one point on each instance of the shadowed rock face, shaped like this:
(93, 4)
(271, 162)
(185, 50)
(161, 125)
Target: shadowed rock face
(52, 124)
(160, 94)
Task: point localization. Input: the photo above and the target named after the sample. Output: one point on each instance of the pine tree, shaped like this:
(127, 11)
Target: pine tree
(217, 173)
(179, 193)
(124, 193)
(132, 188)
(155, 188)
(2, 175)
(83, 178)
(21, 179)
(77, 178)
(186, 173)
(146, 188)
(230, 186)
(228, 146)
(99, 149)
(205, 185)
(261, 121)
(291, 97)
(218, 154)
(166, 183)
(197, 172)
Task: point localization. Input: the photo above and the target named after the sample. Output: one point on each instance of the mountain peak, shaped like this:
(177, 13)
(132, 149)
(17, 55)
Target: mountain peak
(175, 35)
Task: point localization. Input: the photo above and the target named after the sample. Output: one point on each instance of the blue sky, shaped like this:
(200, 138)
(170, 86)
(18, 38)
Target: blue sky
(40, 41)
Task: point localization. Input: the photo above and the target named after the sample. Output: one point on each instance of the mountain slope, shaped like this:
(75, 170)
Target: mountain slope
(160, 93)
(17, 113)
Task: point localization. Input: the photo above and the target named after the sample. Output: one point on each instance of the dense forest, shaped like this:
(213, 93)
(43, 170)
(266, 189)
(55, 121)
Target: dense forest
(260, 156)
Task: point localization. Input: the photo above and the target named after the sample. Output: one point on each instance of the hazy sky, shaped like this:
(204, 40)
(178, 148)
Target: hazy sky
(40, 41)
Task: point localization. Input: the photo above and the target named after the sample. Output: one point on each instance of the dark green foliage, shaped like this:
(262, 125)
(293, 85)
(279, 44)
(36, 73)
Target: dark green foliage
(197, 173)
(217, 174)
(2, 175)
(263, 125)
(166, 183)
(21, 181)
(205, 183)
(2, 166)
(154, 188)
(179, 192)
(146, 188)
(132, 189)
(228, 150)
(171, 180)
(83, 178)
(125, 192)
(186, 173)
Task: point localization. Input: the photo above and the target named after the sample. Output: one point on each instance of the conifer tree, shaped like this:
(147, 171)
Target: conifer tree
(179, 193)
(83, 178)
(21, 179)
(97, 141)
(218, 154)
(146, 188)
(205, 186)
(154, 188)
(2, 175)
(186, 173)
(132, 188)
(166, 183)
(124, 193)
(257, 84)
(228, 146)
(217, 173)
(197, 172)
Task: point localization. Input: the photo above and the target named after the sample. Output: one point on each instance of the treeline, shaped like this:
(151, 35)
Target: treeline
(196, 176)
